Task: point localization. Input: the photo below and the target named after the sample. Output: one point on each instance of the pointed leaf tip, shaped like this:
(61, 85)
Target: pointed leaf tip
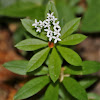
(70, 56)
(31, 44)
(54, 64)
(70, 27)
(73, 39)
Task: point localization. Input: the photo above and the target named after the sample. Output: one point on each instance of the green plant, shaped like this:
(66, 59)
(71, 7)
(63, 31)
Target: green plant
(61, 80)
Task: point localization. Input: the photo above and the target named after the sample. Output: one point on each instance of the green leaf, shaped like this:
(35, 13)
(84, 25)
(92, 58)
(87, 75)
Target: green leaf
(93, 96)
(32, 87)
(88, 81)
(64, 94)
(38, 59)
(70, 27)
(73, 3)
(31, 44)
(70, 56)
(43, 70)
(74, 88)
(3, 3)
(91, 19)
(54, 65)
(23, 8)
(60, 99)
(19, 34)
(17, 66)
(90, 67)
(80, 10)
(52, 92)
(11, 2)
(73, 70)
(65, 12)
(38, 2)
(73, 39)
(51, 7)
(27, 23)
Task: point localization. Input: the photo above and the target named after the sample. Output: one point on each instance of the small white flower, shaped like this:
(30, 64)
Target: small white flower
(38, 29)
(40, 23)
(56, 39)
(57, 28)
(47, 30)
(36, 23)
(56, 24)
(54, 19)
(50, 15)
(48, 20)
(50, 35)
(57, 33)
(46, 24)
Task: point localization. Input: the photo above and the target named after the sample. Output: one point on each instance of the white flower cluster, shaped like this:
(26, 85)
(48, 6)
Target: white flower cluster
(52, 34)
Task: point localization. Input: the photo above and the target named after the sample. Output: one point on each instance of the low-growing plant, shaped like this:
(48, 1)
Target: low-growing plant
(54, 45)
